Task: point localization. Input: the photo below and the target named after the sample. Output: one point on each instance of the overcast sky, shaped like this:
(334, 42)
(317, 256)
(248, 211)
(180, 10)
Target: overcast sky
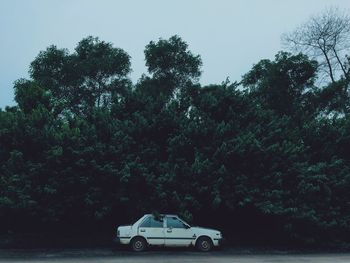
(230, 35)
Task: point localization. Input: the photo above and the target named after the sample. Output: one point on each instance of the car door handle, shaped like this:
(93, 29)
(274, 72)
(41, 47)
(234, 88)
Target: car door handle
(169, 231)
(142, 230)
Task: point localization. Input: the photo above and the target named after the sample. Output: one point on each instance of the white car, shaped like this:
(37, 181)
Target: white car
(169, 231)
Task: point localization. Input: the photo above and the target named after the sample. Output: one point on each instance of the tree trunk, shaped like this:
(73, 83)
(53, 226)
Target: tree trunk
(341, 64)
(324, 51)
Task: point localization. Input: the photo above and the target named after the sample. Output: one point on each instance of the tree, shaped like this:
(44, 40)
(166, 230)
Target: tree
(171, 64)
(93, 76)
(333, 99)
(264, 159)
(285, 85)
(324, 37)
(29, 95)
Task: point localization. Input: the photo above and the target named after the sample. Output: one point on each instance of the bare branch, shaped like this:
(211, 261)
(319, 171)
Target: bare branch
(326, 38)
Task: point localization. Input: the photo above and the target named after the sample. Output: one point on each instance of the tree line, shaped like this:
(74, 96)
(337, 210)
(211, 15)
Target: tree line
(266, 158)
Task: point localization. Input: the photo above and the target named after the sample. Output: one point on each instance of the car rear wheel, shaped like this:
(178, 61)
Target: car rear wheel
(138, 244)
(204, 244)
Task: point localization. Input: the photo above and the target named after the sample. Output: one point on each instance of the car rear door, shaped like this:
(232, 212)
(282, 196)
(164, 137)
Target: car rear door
(177, 233)
(153, 230)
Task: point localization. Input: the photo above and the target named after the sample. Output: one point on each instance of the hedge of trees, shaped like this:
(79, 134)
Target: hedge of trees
(264, 159)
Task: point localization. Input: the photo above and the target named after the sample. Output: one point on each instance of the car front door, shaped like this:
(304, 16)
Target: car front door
(177, 233)
(153, 230)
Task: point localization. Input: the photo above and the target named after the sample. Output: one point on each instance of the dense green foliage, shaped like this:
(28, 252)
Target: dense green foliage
(267, 159)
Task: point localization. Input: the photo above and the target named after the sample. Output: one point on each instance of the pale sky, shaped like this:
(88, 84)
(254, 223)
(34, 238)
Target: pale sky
(230, 35)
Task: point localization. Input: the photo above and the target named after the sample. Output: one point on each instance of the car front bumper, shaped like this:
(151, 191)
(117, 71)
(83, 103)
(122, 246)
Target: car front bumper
(221, 241)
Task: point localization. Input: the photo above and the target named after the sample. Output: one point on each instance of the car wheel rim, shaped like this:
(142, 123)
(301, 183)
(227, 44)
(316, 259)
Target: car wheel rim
(138, 245)
(205, 245)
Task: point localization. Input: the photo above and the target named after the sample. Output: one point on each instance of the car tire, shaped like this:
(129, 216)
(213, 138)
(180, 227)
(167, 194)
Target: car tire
(204, 244)
(138, 244)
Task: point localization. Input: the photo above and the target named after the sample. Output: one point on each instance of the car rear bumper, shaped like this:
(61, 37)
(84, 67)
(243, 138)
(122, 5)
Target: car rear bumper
(121, 240)
(116, 240)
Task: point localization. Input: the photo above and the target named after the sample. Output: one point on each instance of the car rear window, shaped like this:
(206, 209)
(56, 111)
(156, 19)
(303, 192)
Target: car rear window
(152, 222)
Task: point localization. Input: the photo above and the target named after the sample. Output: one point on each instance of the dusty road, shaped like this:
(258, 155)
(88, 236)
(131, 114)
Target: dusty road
(169, 256)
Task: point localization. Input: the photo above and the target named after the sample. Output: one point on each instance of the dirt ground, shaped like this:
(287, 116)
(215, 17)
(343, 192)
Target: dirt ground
(166, 255)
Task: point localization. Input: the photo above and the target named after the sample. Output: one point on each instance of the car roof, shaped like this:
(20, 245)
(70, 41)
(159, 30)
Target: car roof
(162, 215)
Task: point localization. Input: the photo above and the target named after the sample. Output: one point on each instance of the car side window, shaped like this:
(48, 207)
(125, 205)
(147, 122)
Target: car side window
(146, 222)
(156, 222)
(152, 222)
(174, 222)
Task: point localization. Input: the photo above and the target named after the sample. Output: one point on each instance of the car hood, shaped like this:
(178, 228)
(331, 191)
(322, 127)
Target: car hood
(203, 229)
(125, 226)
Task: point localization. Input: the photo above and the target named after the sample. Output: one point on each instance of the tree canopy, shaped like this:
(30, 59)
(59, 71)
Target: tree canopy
(93, 76)
(85, 147)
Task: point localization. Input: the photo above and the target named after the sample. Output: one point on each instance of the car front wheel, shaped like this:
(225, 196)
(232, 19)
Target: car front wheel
(138, 244)
(204, 244)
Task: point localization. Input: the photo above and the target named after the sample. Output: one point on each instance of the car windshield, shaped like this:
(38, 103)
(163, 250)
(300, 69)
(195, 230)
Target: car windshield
(187, 224)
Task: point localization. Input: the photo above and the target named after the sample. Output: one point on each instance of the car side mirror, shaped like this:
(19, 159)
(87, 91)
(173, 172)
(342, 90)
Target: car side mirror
(187, 226)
